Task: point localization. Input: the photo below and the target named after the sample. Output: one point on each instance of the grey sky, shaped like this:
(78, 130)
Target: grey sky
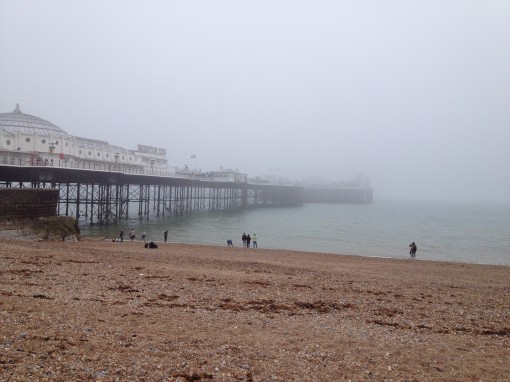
(414, 94)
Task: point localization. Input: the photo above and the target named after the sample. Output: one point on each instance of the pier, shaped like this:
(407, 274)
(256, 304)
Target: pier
(106, 197)
(103, 183)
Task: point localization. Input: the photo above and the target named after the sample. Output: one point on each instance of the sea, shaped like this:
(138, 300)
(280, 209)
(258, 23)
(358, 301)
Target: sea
(469, 232)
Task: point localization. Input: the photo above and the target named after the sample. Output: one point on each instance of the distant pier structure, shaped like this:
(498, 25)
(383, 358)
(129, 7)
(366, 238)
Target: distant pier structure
(356, 191)
(337, 195)
(104, 183)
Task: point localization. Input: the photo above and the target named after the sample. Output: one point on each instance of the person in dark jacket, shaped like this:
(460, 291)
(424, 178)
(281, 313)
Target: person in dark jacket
(413, 247)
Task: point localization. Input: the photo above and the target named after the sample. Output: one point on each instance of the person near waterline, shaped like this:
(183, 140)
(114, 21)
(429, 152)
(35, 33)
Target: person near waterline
(254, 240)
(143, 236)
(413, 249)
(248, 241)
(132, 234)
(229, 243)
(165, 235)
(244, 239)
(121, 235)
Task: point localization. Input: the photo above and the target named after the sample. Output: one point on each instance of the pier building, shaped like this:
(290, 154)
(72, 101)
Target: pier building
(30, 140)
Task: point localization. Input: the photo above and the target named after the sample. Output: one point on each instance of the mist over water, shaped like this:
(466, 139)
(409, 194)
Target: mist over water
(412, 94)
(443, 231)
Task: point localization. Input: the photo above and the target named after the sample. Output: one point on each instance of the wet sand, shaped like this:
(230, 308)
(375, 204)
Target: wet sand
(94, 310)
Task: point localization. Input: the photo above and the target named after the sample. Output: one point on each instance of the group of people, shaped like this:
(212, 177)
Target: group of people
(132, 235)
(249, 240)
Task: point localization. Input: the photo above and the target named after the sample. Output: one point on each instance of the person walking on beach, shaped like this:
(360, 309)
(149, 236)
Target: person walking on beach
(254, 240)
(248, 240)
(143, 236)
(413, 249)
(121, 235)
(165, 235)
(244, 239)
(132, 234)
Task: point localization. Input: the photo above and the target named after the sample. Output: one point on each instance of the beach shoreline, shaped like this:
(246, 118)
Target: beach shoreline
(303, 251)
(108, 311)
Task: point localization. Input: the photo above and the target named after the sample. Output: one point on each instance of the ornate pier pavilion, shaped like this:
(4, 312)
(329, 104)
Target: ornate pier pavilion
(30, 140)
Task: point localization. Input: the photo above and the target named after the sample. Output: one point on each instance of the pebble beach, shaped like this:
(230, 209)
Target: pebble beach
(102, 311)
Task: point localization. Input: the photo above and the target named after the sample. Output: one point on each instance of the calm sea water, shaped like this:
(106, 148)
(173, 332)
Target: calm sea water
(445, 231)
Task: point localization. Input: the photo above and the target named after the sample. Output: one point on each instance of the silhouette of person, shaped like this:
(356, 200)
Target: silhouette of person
(165, 235)
(413, 249)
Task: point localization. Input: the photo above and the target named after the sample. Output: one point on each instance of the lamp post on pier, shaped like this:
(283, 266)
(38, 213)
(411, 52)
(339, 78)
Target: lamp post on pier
(116, 156)
(52, 149)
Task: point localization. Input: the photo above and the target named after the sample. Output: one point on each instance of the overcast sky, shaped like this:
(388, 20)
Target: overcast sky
(414, 94)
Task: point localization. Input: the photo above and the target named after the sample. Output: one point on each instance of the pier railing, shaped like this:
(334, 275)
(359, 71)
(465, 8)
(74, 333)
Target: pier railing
(168, 172)
(107, 167)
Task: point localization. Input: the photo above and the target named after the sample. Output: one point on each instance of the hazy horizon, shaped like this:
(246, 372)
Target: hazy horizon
(415, 95)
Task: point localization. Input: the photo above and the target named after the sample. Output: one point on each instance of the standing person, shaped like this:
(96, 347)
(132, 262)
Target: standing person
(165, 235)
(254, 240)
(248, 240)
(413, 249)
(121, 235)
(244, 239)
(143, 236)
(132, 234)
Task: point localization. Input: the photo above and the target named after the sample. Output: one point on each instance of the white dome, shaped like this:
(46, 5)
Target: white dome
(17, 122)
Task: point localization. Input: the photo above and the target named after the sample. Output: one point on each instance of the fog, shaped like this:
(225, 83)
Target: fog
(413, 94)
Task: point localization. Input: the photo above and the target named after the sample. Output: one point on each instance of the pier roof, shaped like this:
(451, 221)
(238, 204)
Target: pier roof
(18, 122)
